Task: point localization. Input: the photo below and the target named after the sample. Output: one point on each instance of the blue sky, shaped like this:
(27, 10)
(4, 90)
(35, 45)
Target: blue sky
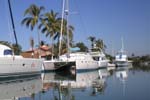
(105, 19)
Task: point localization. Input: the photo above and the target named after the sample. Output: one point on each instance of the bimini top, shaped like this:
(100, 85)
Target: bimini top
(5, 50)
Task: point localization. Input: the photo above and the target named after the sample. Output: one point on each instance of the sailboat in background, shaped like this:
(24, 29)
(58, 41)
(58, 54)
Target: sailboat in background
(121, 58)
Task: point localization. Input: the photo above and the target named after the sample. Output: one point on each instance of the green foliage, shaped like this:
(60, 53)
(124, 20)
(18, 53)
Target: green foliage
(92, 40)
(33, 14)
(6, 43)
(110, 57)
(82, 46)
(141, 62)
(15, 47)
(97, 44)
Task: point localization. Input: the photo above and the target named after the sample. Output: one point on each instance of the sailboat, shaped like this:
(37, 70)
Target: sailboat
(15, 65)
(121, 58)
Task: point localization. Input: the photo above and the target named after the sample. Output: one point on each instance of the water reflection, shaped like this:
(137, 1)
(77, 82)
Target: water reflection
(122, 75)
(63, 88)
(18, 88)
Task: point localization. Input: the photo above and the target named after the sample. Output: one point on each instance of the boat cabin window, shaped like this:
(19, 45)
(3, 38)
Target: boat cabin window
(96, 58)
(7, 52)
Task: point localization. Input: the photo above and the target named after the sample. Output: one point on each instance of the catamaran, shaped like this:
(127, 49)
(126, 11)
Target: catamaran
(58, 64)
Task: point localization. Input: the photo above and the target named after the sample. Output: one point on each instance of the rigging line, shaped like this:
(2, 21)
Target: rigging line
(81, 18)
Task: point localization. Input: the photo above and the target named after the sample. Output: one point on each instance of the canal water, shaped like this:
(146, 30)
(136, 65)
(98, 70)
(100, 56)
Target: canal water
(122, 83)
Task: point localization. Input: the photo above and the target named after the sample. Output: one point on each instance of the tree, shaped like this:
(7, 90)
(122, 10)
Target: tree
(82, 46)
(33, 14)
(15, 47)
(50, 25)
(92, 40)
(100, 45)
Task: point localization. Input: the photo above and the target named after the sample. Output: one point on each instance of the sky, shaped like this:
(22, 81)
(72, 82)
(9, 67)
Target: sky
(109, 20)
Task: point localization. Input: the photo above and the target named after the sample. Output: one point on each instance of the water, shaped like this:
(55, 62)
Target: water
(119, 84)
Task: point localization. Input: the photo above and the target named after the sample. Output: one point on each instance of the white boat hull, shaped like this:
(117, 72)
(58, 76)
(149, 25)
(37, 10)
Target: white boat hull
(83, 61)
(85, 65)
(48, 65)
(121, 63)
(16, 66)
(103, 64)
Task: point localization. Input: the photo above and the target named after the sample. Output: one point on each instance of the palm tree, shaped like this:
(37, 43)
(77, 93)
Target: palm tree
(33, 14)
(50, 26)
(82, 47)
(100, 45)
(92, 40)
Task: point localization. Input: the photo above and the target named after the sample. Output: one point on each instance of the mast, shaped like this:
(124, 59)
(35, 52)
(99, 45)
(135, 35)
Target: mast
(61, 30)
(67, 18)
(65, 10)
(13, 26)
(122, 45)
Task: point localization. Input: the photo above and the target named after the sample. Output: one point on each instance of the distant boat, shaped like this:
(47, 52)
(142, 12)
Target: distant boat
(14, 65)
(121, 58)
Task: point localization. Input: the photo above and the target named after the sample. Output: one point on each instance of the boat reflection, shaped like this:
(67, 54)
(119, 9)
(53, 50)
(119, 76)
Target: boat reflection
(63, 88)
(122, 75)
(19, 88)
(55, 86)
